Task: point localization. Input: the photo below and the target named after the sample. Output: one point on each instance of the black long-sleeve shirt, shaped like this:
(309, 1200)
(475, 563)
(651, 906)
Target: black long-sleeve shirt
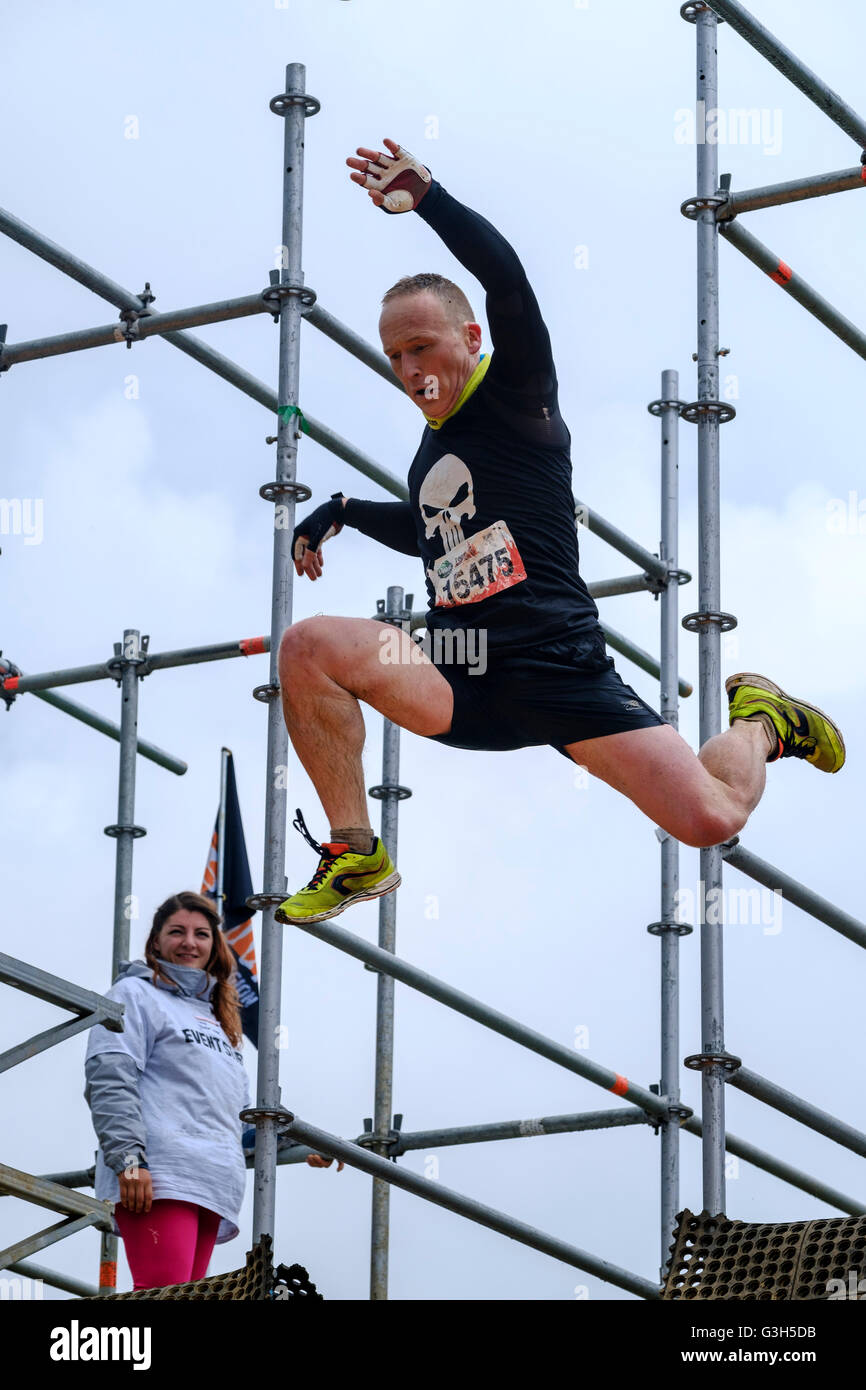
(490, 509)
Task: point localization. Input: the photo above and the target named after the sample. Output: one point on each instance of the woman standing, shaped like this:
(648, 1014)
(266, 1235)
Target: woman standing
(165, 1096)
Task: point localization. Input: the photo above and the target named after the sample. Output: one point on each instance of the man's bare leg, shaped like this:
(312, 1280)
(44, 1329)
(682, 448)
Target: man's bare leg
(738, 759)
(328, 664)
(699, 799)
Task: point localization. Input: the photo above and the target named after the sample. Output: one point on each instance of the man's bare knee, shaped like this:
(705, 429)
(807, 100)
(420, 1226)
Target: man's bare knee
(304, 643)
(709, 827)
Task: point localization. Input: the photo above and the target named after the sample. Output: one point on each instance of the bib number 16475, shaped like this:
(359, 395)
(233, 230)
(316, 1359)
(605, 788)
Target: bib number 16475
(485, 564)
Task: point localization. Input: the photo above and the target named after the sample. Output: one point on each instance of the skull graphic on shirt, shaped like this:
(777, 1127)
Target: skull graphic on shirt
(446, 499)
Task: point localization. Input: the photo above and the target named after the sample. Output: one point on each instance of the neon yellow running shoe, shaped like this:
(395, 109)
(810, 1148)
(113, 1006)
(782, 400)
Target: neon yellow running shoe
(800, 730)
(342, 879)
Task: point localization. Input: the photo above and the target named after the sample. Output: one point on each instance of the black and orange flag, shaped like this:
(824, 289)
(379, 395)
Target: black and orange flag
(237, 886)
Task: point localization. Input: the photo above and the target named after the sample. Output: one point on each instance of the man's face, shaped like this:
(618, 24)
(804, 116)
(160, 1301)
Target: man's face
(432, 357)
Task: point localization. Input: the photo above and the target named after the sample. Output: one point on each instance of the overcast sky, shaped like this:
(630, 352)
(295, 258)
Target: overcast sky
(564, 125)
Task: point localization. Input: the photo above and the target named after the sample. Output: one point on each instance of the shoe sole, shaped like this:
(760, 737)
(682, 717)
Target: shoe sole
(762, 683)
(386, 886)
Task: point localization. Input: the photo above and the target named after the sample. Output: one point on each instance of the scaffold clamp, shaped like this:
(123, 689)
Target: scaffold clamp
(130, 317)
(280, 104)
(690, 11)
(114, 832)
(723, 411)
(259, 902)
(692, 206)
(279, 291)
(383, 790)
(726, 1060)
(676, 1110)
(398, 619)
(117, 663)
(272, 492)
(678, 928)
(387, 1141)
(283, 1117)
(658, 407)
(697, 622)
(13, 674)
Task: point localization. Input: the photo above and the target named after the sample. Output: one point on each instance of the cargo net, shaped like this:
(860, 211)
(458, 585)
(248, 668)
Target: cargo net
(713, 1257)
(257, 1281)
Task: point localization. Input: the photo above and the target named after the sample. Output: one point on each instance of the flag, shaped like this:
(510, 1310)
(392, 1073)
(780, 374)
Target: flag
(237, 887)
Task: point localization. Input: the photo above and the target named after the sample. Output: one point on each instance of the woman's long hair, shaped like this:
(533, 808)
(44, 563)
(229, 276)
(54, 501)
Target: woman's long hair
(220, 965)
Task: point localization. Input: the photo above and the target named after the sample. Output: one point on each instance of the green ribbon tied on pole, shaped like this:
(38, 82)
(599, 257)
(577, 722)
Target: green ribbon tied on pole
(286, 412)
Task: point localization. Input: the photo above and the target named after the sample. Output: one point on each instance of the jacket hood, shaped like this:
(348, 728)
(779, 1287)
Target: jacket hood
(188, 979)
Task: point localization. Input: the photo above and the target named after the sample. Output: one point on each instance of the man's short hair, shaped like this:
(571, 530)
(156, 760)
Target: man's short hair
(456, 305)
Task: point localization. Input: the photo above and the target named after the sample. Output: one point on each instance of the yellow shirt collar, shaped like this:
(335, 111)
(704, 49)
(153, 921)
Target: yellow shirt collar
(472, 384)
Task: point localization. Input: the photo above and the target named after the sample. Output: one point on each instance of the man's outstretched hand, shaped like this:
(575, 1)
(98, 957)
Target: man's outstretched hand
(396, 182)
(311, 533)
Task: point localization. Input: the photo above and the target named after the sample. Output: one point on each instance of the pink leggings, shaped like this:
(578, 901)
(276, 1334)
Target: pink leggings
(170, 1244)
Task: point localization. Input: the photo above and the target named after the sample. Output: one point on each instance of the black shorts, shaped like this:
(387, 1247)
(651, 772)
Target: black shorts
(549, 693)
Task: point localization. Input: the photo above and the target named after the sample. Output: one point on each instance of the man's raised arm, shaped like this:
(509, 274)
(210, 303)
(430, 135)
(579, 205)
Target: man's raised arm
(523, 357)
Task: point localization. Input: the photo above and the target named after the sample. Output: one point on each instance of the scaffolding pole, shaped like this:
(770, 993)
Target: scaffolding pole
(794, 191)
(668, 929)
(368, 1162)
(798, 1109)
(390, 793)
(147, 326)
(66, 1282)
(91, 719)
(792, 891)
(778, 1168)
(482, 1013)
(125, 831)
(516, 1129)
(90, 1008)
(709, 620)
(149, 662)
(791, 67)
(127, 662)
(406, 1141)
(794, 285)
(292, 106)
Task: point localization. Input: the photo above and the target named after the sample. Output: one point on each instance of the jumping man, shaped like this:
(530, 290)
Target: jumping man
(491, 516)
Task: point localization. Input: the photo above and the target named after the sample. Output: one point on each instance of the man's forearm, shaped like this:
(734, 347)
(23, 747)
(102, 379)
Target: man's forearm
(390, 523)
(473, 240)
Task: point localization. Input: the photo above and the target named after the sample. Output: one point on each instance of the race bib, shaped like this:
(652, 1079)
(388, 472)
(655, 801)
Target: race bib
(485, 564)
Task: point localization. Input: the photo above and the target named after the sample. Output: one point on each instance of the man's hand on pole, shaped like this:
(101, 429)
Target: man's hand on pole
(311, 534)
(396, 182)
